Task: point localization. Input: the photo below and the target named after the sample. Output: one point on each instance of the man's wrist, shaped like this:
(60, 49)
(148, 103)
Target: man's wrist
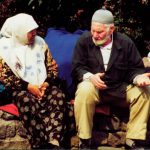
(87, 76)
(135, 79)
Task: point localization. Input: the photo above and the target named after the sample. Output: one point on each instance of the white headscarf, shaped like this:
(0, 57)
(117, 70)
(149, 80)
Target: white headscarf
(26, 61)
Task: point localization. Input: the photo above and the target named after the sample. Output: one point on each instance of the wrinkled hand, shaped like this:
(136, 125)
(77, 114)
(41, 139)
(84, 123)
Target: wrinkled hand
(143, 80)
(96, 79)
(43, 87)
(34, 89)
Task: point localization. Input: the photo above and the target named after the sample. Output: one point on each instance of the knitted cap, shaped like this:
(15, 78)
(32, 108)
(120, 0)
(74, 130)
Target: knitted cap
(103, 16)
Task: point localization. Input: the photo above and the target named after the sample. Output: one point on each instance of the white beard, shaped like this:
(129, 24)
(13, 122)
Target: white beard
(100, 42)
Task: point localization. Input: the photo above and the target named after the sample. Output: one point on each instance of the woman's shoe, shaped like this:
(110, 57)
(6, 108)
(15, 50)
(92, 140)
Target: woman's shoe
(53, 147)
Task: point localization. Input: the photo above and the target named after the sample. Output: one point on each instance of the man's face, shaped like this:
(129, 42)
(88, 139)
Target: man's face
(100, 33)
(31, 36)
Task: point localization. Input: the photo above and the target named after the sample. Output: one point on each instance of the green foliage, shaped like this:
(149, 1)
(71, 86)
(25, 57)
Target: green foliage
(131, 17)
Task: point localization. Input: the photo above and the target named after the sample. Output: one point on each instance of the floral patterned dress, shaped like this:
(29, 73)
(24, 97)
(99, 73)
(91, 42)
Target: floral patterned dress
(44, 119)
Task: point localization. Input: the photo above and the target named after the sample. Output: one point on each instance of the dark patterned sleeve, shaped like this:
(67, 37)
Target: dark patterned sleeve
(9, 79)
(51, 66)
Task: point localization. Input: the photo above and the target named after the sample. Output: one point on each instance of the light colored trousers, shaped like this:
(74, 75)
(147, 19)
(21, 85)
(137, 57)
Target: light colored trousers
(87, 97)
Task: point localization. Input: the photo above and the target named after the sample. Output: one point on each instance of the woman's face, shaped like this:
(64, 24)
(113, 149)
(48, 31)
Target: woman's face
(31, 36)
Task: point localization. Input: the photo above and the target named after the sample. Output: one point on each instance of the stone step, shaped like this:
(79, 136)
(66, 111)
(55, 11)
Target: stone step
(16, 142)
(109, 148)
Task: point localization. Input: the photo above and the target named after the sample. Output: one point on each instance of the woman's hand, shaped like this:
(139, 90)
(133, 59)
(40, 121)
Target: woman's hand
(34, 89)
(43, 87)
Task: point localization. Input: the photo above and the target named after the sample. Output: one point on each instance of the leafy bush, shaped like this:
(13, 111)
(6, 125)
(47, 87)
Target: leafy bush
(131, 17)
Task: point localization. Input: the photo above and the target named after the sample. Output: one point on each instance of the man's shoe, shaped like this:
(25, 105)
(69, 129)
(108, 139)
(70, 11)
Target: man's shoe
(134, 144)
(85, 144)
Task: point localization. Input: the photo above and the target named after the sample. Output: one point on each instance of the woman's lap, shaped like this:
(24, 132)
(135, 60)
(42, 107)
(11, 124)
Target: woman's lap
(43, 119)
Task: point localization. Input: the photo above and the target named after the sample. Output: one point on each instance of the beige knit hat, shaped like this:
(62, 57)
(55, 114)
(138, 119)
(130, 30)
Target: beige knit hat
(103, 16)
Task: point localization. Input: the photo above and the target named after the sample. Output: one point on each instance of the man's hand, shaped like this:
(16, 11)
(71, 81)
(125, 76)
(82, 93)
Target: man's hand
(34, 89)
(96, 79)
(143, 79)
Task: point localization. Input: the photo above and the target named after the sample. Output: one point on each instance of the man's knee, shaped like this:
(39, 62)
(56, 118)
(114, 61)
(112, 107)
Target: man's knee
(87, 91)
(134, 93)
(86, 87)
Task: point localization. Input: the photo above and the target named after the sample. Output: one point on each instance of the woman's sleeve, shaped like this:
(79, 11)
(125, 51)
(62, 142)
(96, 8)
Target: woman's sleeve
(51, 66)
(9, 79)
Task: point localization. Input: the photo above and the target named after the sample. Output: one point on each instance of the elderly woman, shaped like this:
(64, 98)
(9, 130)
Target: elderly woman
(29, 72)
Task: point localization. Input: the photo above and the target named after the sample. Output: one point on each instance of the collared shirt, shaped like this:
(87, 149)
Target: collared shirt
(106, 51)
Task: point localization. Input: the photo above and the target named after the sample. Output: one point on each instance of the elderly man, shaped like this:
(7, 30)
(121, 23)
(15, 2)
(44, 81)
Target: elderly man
(107, 67)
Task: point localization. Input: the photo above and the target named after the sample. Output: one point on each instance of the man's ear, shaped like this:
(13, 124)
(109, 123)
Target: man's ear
(111, 29)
